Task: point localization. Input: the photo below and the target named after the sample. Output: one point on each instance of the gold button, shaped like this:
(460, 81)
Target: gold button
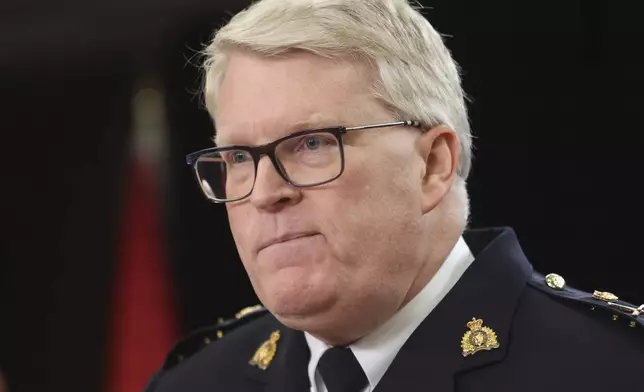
(605, 296)
(207, 340)
(220, 334)
(556, 282)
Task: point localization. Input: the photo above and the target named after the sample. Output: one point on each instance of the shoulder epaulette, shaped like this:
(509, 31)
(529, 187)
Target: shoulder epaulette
(605, 303)
(202, 337)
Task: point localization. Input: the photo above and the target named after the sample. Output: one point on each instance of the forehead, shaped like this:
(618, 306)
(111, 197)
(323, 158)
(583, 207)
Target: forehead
(264, 98)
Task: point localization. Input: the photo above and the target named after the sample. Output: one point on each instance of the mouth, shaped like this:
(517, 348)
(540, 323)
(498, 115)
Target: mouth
(285, 238)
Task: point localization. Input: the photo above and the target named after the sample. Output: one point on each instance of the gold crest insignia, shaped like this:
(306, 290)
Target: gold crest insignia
(478, 338)
(266, 352)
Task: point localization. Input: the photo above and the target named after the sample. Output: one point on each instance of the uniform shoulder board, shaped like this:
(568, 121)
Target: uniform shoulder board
(606, 304)
(200, 338)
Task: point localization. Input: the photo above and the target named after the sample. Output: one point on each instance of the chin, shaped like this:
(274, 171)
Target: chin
(293, 301)
(321, 317)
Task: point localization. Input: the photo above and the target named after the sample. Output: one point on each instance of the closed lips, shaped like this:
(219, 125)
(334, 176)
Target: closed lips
(285, 238)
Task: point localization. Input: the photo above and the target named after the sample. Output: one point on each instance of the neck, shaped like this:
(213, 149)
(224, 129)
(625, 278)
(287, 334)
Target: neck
(443, 232)
(429, 270)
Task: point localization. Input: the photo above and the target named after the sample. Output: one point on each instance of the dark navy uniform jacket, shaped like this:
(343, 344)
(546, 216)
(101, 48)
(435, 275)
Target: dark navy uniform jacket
(549, 339)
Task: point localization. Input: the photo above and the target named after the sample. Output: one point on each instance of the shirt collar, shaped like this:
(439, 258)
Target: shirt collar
(376, 351)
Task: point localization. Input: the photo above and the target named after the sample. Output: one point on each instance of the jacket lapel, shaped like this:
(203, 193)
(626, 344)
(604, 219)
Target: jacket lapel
(489, 290)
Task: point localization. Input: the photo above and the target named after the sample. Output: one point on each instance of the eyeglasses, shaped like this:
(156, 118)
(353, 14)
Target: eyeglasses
(303, 159)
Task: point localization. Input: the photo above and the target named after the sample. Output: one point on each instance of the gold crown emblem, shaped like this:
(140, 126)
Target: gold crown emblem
(478, 338)
(266, 352)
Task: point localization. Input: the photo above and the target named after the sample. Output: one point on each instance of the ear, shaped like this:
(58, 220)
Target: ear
(440, 149)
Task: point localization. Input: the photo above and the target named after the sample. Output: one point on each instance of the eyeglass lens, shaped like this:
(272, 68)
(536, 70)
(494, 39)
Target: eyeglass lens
(305, 160)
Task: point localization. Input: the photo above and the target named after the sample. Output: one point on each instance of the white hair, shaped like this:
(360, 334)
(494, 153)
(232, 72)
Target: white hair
(418, 79)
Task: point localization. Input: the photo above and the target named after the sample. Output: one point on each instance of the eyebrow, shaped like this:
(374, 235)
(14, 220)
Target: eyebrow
(309, 124)
(313, 124)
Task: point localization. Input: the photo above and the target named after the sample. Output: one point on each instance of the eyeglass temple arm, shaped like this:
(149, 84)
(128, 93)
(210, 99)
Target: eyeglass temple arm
(407, 123)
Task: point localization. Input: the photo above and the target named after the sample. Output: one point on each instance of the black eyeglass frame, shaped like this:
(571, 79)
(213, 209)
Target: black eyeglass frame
(268, 149)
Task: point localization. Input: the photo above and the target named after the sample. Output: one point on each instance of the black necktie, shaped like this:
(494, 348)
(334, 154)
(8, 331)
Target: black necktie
(341, 371)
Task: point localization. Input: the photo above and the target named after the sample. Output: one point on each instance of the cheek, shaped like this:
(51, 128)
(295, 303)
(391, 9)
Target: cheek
(238, 219)
(378, 213)
(381, 193)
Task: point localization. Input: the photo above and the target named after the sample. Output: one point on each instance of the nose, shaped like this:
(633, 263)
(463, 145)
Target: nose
(271, 191)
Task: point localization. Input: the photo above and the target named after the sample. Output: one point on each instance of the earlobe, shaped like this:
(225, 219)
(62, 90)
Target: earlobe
(440, 148)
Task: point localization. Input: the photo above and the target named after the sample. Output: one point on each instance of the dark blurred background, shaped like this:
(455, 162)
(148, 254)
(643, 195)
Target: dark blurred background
(109, 251)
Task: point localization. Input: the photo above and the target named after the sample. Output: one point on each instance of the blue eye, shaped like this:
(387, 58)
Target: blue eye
(312, 143)
(236, 157)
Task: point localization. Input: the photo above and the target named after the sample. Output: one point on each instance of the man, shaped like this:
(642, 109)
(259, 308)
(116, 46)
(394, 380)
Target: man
(343, 150)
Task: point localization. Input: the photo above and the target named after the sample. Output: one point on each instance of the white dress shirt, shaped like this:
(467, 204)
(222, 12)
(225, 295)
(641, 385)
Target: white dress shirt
(376, 351)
